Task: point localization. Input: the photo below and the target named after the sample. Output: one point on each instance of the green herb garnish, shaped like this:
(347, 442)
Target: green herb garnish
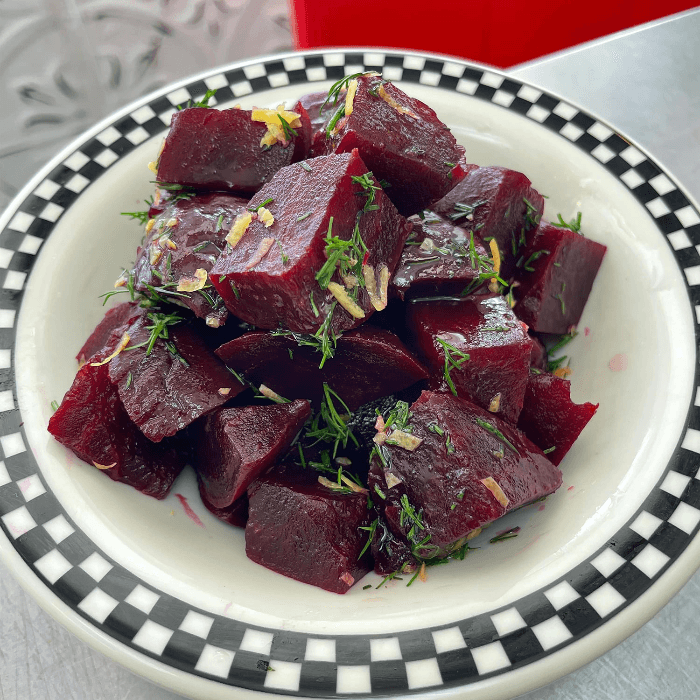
(573, 225)
(454, 359)
(507, 535)
(497, 433)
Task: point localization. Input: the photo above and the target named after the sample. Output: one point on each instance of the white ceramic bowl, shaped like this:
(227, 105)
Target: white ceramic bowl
(169, 592)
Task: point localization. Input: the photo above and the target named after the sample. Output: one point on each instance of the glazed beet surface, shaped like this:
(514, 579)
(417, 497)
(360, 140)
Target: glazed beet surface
(438, 260)
(402, 141)
(462, 476)
(484, 328)
(163, 392)
(550, 418)
(211, 149)
(187, 236)
(556, 278)
(506, 208)
(237, 444)
(276, 289)
(92, 422)
(307, 531)
(109, 330)
(368, 363)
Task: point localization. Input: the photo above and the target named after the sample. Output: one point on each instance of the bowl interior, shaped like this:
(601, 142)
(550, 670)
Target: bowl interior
(634, 355)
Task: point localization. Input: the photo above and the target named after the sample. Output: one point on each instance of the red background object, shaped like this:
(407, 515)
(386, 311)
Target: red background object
(499, 32)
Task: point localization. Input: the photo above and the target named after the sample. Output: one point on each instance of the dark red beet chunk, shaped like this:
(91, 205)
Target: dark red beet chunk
(161, 393)
(277, 289)
(485, 328)
(108, 330)
(402, 141)
(550, 418)
(438, 260)
(236, 514)
(236, 444)
(215, 149)
(538, 357)
(554, 285)
(470, 468)
(306, 531)
(313, 103)
(188, 236)
(92, 422)
(368, 363)
(506, 207)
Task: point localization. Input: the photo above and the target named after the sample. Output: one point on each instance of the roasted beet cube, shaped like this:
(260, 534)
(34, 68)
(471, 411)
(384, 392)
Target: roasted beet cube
(368, 363)
(236, 444)
(230, 149)
(178, 381)
(550, 418)
(236, 514)
(92, 422)
(278, 271)
(538, 356)
(319, 109)
(440, 259)
(109, 330)
(401, 140)
(558, 271)
(181, 247)
(307, 531)
(485, 329)
(495, 203)
(460, 468)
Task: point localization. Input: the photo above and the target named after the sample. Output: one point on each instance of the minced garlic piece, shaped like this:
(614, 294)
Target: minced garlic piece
(383, 287)
(122, 280)
(170, 223)
(495, 404)
(496, 255)
(260, 253)
(427, 245)
(474, 533)
(153, 167)
(379, 438)
(350, 97)
(151, 223)
(391, 479)
(270, 394)
(406, 440)
(192, 283)
(213, 321)
(352, 485)
(330, 484)
(562, 372)
(393, 103)
(347, 578)
(122, 344)
(345, 300)
(155, 253)
(349, 281)
(105, 466)
(422, 575)
(271, 119)
(240, 226)
(378, 300)
(492, 485)
(265, 216)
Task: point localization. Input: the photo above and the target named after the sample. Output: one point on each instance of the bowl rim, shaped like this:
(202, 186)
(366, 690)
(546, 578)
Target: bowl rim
(536, 672)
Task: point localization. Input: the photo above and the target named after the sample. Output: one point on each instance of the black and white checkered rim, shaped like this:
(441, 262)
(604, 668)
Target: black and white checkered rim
(118, 603)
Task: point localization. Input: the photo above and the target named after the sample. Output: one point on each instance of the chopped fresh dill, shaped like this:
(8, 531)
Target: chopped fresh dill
(507, 535)
(371, 529)
(234, 289)
(549, 450)
(140, 216)
(346, 254)
(377, 490)
(218, 223)
(306, 166)
(454, 359)
(304, 216)
(329, 425)
(269, 200)
(560, 296)
(537, 254)
(314, 308)
(283, 255)
(369, 187)
(204, 102)
(289, 133)
(461, 210)
(54, 406)
(497, 433)
(573, 225)
(128, 380)
(532, 218)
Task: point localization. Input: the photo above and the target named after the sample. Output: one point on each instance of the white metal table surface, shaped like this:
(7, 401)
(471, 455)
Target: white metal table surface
(646, 83)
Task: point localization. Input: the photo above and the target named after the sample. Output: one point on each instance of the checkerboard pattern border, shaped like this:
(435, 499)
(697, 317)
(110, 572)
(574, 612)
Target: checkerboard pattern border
(212, 646)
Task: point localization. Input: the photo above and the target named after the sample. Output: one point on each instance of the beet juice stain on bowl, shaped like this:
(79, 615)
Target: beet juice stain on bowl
(618, 363)
(373, 321)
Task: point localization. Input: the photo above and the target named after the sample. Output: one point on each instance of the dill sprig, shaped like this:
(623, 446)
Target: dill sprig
(329, 425)
(507, 535)
(371, 529)
(464, 210)
(369, 190)
(491, 428)
(344, 254)
(573, 225)
(140, 216)
(288, 131)
(454, 359)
